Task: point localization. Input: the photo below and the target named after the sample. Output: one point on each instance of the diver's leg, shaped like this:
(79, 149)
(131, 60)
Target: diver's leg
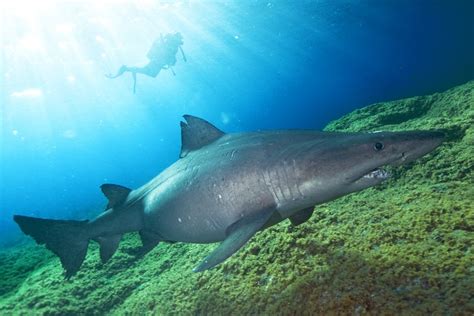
(144, 71)
(152, 69)
(120, 72)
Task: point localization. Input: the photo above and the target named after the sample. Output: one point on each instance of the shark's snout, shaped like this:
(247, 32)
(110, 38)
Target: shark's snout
(435, 138)
(438, 137)
(419, 144)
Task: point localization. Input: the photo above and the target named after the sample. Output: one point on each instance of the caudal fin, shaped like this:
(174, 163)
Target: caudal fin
(67, 239)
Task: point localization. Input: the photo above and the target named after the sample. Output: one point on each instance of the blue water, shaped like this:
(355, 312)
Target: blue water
(66, 128)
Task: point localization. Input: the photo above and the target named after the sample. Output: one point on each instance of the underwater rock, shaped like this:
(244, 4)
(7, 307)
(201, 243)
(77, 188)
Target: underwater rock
(403, 247)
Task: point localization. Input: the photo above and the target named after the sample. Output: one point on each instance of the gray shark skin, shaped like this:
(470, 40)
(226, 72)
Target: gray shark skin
(226, 187)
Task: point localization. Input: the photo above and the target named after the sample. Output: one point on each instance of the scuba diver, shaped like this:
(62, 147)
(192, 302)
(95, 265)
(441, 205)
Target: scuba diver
(162, 55)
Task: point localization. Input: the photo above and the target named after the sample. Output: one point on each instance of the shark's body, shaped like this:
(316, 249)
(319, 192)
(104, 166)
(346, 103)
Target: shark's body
(226, 187)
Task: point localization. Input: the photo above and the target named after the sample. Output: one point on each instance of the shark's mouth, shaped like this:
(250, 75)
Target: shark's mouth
(379, 174)
(371, 178)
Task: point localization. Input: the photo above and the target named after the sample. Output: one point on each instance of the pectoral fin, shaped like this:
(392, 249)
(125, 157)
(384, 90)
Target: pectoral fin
(301, 216)
(237, 235)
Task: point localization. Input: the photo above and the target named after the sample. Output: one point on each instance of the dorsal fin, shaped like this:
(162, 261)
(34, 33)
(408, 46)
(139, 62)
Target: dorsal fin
(196, 133)
(116, 194)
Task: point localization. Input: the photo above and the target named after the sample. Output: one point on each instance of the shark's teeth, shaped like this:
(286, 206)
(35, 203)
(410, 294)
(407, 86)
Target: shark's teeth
(377, 174)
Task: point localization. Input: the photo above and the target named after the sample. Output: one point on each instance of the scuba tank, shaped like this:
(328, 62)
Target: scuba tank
(156, 48)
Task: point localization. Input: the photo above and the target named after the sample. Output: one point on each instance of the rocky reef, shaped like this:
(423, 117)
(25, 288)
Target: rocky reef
(403, 247)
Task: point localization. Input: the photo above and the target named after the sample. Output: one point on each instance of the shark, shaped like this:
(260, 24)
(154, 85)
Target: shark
(226, 187)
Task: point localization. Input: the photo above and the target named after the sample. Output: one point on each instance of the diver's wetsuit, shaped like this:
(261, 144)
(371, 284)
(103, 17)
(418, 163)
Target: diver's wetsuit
(162, 55)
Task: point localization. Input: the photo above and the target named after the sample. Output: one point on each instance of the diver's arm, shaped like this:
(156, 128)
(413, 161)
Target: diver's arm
(134, 75)
(172, 70)
(182, 53)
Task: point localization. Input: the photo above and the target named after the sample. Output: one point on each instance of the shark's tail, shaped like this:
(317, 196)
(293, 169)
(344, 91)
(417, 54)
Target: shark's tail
(67, 239)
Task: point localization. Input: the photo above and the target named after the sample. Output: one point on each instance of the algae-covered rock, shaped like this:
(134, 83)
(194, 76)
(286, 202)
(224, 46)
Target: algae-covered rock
(403, 247)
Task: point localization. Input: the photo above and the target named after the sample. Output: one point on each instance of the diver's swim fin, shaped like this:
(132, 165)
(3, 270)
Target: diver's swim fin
(67, 239)
(237, 235)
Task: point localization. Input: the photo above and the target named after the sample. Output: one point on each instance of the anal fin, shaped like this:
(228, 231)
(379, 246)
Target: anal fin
(237, 235)
(301, 216)
(108, 246)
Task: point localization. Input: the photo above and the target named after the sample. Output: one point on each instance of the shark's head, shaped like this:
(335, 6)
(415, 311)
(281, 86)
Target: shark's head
(341, 163)
(371, 152)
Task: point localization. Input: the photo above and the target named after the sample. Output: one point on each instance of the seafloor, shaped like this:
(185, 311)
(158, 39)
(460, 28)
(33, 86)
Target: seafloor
(405, 247)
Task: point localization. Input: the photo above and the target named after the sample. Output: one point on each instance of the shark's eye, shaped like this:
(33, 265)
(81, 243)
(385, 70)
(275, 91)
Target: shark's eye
(378, 146)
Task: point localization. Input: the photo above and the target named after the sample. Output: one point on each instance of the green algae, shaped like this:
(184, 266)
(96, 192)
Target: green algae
(13, 271)
(403, 247)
